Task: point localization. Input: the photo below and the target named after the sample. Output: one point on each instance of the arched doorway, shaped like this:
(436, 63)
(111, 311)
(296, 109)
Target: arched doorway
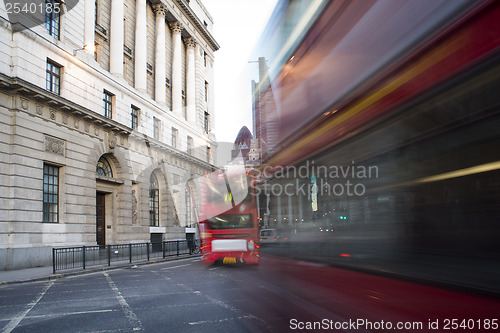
(103, 169)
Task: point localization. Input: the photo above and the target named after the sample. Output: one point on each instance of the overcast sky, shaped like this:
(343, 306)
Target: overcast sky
(238, 25)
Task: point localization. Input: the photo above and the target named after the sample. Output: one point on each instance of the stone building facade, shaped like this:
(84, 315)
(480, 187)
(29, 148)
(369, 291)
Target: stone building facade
(106, 110)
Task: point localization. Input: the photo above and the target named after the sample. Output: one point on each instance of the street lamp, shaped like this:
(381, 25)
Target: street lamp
(89, 48)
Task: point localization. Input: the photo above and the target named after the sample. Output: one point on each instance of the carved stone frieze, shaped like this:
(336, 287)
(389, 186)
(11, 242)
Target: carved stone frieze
(25, 103)
(111, 140)
(54, 145)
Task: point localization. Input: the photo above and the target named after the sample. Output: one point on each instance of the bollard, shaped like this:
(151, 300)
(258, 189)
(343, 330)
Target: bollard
(54, 261)
(130, 253)
(109, 255)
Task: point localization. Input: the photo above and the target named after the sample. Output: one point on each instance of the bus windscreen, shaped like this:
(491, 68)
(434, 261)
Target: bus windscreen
(231, 221)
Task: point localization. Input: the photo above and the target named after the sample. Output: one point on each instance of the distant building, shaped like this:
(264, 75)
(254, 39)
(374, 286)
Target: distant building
(247, 147)
(105, 114)
(242, 143)
(265, 115)
(254, 153)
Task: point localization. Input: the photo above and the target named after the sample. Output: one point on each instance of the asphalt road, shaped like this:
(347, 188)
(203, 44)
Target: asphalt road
(176, 296)
(185, 296)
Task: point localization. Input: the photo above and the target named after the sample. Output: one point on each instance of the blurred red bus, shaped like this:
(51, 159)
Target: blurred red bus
(227, 217)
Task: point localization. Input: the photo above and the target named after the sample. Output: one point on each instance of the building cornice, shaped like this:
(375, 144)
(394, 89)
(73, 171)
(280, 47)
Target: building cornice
(28, 90)
(198, 24)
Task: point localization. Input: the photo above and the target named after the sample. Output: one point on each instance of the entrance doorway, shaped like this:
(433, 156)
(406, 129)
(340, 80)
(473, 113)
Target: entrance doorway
(101, 218)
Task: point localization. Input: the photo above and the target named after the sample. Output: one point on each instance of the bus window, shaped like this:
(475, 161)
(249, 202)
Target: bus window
(231, 221)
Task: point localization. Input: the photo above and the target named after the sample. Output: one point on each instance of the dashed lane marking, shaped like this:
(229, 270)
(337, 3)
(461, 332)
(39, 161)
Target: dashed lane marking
(63, 314)
(241, 314)
(172, 267)
(221, 320)
(136, 323)
(213, 269)
(16, 320)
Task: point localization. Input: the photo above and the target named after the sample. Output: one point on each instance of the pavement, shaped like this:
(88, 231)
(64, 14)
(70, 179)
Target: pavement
(27, 274)
(45, 273)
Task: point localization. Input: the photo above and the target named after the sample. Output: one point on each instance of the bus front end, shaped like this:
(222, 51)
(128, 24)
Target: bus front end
(230, 239)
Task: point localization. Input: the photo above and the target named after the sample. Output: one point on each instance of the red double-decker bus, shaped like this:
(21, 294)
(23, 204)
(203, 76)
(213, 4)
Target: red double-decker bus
(227, 217)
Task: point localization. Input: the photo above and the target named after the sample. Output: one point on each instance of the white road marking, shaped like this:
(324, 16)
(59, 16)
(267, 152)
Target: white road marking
(16, 320)
(221, 320)
(304, 304)
(240, 313)
(69, 313)
(213, 269)
(175, 267)
(137, 325)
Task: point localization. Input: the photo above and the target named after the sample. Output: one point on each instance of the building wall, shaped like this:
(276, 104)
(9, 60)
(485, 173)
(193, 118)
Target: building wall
(70, 131)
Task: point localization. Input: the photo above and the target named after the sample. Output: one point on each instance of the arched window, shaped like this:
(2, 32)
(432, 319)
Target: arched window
(154, 201)
(103, 168)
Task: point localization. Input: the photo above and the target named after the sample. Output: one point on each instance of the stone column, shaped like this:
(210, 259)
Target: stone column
(140, 70)
(190, 81)
(116, 38)
(176, 68)
(160, 79)
(89, 34)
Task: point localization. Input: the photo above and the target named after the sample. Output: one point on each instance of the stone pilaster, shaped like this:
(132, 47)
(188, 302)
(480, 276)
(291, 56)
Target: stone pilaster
(140, 72)
(160, 63)
(176, 28)
(190, 80)
(89, 26)
(116, 38)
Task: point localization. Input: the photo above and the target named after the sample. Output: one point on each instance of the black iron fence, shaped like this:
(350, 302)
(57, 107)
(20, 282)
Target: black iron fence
(87, 256)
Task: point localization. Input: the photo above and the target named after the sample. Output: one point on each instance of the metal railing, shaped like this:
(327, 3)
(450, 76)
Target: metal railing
(87, 256)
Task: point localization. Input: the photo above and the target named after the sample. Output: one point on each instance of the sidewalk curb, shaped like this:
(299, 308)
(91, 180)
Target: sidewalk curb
(96, 269)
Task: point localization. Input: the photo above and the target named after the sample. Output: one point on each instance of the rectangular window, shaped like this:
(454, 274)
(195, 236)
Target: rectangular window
(50, 193)
(189, 145)
(53, 77)
(107, 99)
(134, 114)
(96, 12)
(125, 28)
(206, 91)
(205, 59)
(209, 154)
(206, 122)
(52, 16)
(156, 128)
(175, 134)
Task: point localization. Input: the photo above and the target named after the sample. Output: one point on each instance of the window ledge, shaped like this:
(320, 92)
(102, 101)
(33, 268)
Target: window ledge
(109, 179)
